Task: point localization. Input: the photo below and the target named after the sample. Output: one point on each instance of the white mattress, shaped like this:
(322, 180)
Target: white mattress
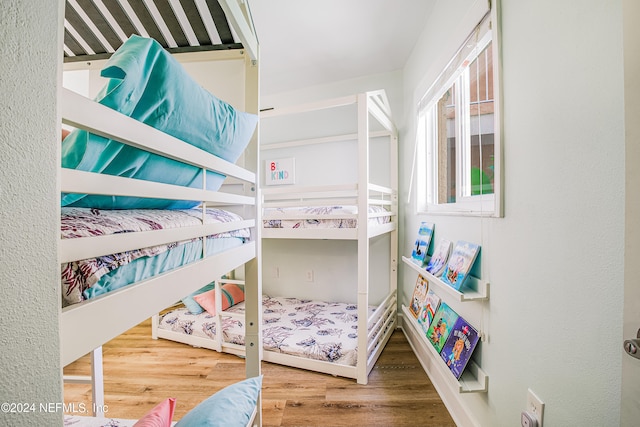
(312, 329)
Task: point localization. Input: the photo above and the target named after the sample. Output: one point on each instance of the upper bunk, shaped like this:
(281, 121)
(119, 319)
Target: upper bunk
(340, 159)
(92, 322)
(95, 29)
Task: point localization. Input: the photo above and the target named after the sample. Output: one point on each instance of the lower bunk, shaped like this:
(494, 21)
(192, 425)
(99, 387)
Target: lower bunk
(314, 335)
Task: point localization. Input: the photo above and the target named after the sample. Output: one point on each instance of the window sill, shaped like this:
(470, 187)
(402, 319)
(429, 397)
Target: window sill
(480, 208)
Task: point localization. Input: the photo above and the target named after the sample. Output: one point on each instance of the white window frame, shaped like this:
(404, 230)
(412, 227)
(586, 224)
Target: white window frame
(426, 136)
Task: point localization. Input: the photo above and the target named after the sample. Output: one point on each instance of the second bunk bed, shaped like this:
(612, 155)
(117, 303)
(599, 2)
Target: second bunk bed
(303, 326)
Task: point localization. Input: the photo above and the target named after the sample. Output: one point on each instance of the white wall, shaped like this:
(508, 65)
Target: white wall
(630, 409)
(555, 260)
(29, 209)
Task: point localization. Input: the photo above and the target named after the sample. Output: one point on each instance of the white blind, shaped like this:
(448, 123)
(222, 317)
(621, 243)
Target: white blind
(476, 41)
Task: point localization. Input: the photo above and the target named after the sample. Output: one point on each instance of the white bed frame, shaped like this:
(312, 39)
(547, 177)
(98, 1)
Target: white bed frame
(87, 325)
(363, 194)
(370, 106)
(218, 343)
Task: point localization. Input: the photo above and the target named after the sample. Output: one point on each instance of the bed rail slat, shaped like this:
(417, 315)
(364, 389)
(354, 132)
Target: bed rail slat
(88, 247)
(311, 233)
(310, 202)
(75, 181)
(139, 301)
(83, 113)
(322, 140)
(312, 106)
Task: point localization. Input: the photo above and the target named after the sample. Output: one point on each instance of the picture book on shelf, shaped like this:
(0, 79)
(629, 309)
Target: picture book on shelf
(441, 325)
(428, 311)
(419, 295)
(438, 261)
(459, 346)
(460, 263)
(420, 248)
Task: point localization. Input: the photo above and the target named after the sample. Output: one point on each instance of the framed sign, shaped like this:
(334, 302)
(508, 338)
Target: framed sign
(280, 171)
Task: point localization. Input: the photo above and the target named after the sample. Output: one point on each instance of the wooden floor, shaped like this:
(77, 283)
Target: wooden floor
(140, 372)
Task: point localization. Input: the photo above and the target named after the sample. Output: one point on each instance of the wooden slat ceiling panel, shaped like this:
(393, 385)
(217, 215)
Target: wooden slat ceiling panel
(221, 21)
(147, 22)
(191, 10)
(120, 17)
(93, 13)
(92, 44)
(99, 27)
(174, 26)
(70, 42)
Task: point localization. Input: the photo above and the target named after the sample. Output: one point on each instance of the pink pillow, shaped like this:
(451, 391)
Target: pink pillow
(160, 416)
(232, 294)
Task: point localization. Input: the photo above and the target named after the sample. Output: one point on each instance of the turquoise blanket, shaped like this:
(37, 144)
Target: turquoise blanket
(149, 85)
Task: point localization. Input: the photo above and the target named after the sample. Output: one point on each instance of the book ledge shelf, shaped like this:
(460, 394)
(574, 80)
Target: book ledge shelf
(474, 289)
(473, 379)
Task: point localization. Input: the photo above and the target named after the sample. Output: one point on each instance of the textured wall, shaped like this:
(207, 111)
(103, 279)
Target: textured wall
(29, 213)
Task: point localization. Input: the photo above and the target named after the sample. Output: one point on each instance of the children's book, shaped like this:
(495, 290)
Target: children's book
(460, 263)
(459, 346)
(438, 261)
(429, 308)
(419, 295)
(441, 325)
(419, 253)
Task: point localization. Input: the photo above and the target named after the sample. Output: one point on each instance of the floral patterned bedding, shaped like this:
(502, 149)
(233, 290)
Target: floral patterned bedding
(312, 329)
(78, 276)
(297, 217)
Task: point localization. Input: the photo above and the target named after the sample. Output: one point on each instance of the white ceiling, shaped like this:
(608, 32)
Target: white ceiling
(310, 42)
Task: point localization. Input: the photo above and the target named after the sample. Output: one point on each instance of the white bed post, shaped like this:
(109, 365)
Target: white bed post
(393, 167)
(253, 269)
(97, 383)
(363, 237)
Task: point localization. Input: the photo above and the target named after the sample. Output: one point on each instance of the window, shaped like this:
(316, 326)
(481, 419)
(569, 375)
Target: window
(458, 133)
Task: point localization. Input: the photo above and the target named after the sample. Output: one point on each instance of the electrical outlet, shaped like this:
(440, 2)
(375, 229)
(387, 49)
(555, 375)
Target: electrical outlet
(309, 275)
(535, 406)
(528, 420)
(276, 273)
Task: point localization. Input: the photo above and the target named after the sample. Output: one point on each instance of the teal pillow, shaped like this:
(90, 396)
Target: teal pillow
(232, 406)
(191, 304)
(148, 84)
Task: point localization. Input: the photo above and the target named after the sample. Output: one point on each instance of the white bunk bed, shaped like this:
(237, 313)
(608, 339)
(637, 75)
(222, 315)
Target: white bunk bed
(374, 121)
(85, 326)
(366, 203)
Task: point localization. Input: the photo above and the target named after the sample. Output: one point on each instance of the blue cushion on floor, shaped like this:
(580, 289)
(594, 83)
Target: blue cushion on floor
(230, 407)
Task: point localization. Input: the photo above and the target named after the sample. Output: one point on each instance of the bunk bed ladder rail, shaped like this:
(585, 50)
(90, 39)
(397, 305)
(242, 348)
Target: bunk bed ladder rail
(381, 323)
